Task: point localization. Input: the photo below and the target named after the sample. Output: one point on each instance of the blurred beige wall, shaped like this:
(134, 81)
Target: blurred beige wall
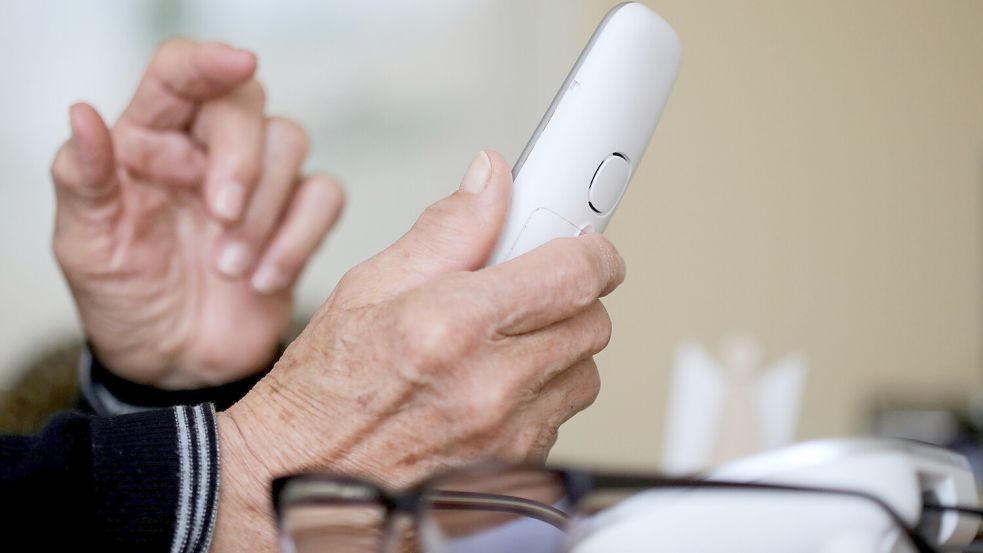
(815, 181)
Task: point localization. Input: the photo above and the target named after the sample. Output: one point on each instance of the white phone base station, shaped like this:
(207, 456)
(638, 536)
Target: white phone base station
(904, 475)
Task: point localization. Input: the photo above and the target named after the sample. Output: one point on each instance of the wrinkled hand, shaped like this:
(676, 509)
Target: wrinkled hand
(182, 230)
(420, 359)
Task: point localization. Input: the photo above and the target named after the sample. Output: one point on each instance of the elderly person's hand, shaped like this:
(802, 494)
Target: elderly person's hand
(421, 359)
(182, 229)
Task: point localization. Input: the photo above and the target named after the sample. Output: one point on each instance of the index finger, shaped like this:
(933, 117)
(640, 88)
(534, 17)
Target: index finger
(183, 73)
(553, 282)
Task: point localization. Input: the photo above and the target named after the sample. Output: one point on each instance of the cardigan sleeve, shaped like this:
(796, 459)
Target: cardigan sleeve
(145, 481)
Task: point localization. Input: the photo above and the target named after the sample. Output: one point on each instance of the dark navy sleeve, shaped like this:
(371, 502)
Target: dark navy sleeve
(146, 481)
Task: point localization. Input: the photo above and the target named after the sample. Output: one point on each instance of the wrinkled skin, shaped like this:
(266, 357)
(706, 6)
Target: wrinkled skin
(182, 229)
(421, 360)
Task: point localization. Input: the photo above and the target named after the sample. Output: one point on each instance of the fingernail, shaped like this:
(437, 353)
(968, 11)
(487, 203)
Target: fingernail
(268, 279)
(229, 201)
(476, 177)
(234, 259)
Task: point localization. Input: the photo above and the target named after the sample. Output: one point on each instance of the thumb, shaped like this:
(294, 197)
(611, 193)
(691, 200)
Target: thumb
(86, 187)
(84, 168)
(455, 234)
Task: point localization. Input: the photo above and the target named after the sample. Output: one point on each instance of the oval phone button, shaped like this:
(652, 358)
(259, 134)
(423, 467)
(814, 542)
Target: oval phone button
(608, 184)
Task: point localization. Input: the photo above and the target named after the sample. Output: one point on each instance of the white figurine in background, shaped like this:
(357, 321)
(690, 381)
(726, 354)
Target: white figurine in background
(722, 410)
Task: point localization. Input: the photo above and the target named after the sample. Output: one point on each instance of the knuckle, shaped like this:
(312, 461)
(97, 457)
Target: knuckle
(448, 217)
(289, 133)
(583, 259)
(60, 172)
(610, 260)
(590, 386)
(172, 46)
(354, 277)
(348, 291)
(170, 53)
(579, 270)
(289, 260)
(579, 390)
(431, 336)
(62, 251)
(435, 212)
(254, 91)
(546, 438)
(72, 259)
(244, 168)
(434, 232)
(488, 405)
(533, 443)
(330, 191)
(602, 328)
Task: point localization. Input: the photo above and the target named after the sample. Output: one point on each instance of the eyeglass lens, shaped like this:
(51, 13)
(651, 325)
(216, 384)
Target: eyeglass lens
(495, 510)
(344, 528)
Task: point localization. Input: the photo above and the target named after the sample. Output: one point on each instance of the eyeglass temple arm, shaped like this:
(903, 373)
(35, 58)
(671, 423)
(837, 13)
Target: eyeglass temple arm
(473, 501)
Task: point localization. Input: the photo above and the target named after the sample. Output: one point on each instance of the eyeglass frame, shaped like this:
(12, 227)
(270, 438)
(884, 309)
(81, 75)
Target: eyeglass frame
(578, 483)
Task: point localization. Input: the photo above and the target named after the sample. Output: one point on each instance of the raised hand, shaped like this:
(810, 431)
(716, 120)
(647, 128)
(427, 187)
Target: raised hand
(182, 230)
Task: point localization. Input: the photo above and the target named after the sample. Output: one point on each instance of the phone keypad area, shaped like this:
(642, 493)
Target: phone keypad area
(608, 184)
(541, 227)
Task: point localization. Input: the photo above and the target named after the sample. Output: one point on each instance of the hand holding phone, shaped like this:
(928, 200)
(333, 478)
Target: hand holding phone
(574, 171)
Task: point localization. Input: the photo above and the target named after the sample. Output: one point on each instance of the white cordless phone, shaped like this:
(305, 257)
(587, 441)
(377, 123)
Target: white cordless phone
(576, 167)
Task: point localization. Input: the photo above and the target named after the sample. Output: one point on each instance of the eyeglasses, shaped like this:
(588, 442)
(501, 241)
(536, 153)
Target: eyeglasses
(497, 509)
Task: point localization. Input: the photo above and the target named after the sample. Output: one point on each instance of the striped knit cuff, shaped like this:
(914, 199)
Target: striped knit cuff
(199, 469)
(156, 479)
(105, 393)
